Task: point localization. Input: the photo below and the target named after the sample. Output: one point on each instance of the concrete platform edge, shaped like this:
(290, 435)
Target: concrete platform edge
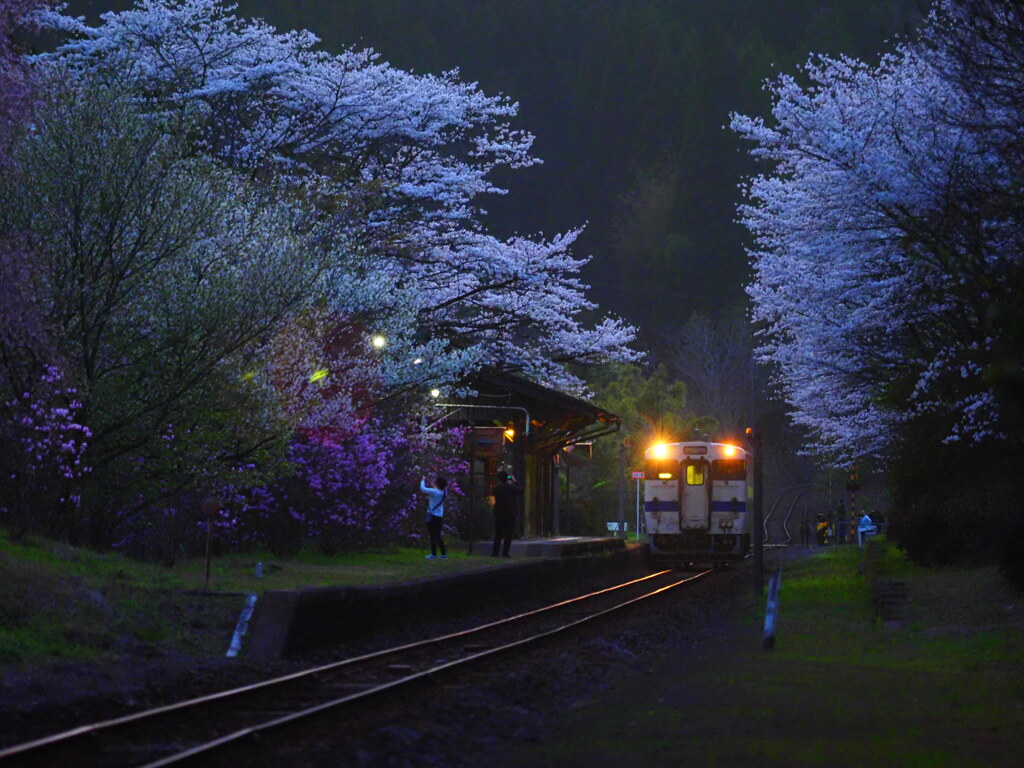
(289, 622)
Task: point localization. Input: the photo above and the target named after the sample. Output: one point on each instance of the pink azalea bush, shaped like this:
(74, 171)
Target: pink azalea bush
(340, 492)
(43, 461)
(362, 490)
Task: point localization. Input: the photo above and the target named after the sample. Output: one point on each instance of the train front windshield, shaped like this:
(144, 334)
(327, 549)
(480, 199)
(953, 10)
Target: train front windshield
(729, 469)
(661, 469)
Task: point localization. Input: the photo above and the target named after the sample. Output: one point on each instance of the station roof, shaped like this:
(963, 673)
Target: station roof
(556, 419)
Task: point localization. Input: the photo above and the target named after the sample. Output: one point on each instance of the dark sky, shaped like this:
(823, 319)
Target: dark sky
(628, 101)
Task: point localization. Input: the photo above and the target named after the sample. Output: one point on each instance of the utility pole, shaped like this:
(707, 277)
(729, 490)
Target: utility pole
(853, 486)
(757, 448)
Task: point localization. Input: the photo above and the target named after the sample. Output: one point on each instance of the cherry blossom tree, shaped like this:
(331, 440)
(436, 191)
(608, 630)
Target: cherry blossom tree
(882, 243)
(397, 160)
(225, 219)
(160, 279)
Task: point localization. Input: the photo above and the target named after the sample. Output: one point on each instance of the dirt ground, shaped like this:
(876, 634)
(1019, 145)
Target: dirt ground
(450, 724)
(680, 682)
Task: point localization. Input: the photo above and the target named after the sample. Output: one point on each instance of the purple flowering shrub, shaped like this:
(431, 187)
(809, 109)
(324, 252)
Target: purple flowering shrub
(345, 492)
(42, 461)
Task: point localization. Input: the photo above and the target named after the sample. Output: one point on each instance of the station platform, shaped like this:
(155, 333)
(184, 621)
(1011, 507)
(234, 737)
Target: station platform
(556, 546)
(294, 621)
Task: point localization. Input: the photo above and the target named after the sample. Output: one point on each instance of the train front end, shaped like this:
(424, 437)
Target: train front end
(698, 502)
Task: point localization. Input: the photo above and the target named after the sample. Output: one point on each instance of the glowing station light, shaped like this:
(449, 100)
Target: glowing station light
(510, 434)
(378, 341)
(435, 393)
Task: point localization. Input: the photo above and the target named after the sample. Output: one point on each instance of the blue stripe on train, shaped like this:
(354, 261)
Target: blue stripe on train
(661, 506)
(728, 506)
(716, 506)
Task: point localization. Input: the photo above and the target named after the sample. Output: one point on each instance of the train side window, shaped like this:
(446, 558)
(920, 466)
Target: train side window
(729, 469)
(695, 474)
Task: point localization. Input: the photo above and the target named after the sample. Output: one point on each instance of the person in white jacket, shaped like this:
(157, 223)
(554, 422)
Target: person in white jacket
(435, 515)
(865, 528)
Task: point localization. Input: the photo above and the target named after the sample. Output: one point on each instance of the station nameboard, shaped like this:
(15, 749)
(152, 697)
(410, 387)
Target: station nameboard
(638, 475)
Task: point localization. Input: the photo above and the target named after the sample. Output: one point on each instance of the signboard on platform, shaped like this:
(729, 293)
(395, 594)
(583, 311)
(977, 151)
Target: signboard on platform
(638, 475)
(487, 442)
(615, 526)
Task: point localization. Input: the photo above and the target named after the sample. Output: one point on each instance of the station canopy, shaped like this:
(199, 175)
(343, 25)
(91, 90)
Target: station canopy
(555, 418)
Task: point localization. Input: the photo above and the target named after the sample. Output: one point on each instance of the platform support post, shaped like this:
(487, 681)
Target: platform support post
(473, 522)
(636, 531)
(556, 481)
(622, 487)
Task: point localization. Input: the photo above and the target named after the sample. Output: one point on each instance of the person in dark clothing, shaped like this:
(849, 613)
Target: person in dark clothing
(842, 522)
(506, 494)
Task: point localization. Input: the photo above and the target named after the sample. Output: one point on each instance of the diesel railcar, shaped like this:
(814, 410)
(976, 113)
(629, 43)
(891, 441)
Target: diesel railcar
(697, 502)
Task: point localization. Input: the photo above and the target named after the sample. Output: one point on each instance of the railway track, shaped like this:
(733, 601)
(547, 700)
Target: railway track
(203, 729)
(779, 526)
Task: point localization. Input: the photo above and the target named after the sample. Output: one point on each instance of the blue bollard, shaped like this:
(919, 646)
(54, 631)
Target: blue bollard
(774, 584)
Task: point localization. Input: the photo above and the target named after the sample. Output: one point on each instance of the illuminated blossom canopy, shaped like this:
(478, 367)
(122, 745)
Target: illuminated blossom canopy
(888, 233)
(396, 162)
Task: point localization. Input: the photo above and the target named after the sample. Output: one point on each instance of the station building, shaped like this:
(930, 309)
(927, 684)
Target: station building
(532, 432)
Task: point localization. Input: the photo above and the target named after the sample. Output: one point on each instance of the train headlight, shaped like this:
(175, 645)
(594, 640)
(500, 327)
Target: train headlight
(659, 451)
(729, 450)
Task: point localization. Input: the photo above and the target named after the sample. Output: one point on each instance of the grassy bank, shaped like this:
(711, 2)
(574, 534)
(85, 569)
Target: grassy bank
(61, 603)
(940, 683)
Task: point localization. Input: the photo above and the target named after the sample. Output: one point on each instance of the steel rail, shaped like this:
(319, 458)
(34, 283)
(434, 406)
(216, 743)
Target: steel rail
(93, 729)
(779, 498)
(789, 513)
(243, 733)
